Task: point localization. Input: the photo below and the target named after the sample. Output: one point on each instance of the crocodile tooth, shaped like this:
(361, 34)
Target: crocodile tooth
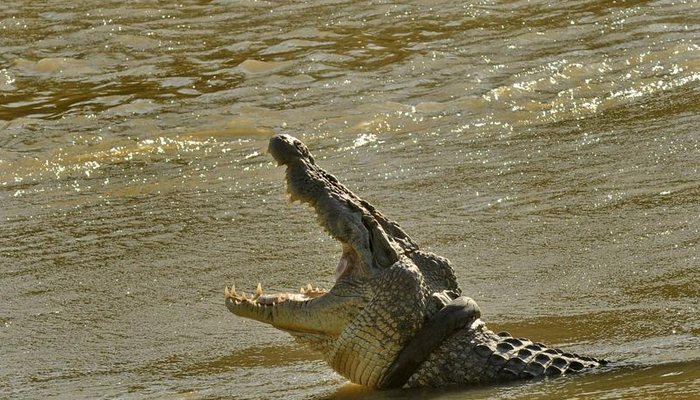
(258, 291)
(227, 294)
(301, 290)
(243, 296)
(309, 288)
(233, 290)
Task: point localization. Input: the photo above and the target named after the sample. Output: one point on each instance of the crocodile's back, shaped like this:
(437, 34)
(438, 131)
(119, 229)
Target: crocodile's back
(479, 355)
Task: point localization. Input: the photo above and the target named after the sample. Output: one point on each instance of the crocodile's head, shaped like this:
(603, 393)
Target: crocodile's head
(385, 287)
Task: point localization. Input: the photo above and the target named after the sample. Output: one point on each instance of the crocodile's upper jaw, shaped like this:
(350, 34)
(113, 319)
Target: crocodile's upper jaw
(314, 310)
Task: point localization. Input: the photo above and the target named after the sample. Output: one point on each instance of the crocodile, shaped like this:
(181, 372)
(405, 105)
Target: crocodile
(396, 315)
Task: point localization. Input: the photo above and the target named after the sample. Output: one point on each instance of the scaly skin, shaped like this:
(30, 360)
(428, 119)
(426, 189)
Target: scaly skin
(386, 292)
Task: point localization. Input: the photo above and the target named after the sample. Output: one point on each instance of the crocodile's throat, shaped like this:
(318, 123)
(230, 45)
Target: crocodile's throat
(347, 261)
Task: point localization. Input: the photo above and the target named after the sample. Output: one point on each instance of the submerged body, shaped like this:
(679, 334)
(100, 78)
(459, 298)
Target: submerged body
(396, 315)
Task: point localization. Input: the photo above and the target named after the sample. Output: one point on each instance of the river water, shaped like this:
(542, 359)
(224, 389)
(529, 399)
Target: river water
(549, 149)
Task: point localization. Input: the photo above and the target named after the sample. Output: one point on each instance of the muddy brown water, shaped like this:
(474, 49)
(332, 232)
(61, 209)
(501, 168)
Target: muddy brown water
(549, 149)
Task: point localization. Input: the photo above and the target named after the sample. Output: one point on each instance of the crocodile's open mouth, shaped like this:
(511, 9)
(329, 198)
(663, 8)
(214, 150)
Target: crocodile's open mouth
(258, 298)
(306, 293)
(340, 215)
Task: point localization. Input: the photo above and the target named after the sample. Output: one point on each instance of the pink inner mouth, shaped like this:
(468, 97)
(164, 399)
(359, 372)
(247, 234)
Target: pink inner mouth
(346, 262)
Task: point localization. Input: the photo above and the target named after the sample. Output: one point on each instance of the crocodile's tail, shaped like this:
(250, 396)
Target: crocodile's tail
(515, 358)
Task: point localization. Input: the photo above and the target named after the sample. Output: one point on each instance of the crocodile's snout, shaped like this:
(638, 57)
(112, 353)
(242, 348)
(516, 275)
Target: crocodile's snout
(285, 149)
